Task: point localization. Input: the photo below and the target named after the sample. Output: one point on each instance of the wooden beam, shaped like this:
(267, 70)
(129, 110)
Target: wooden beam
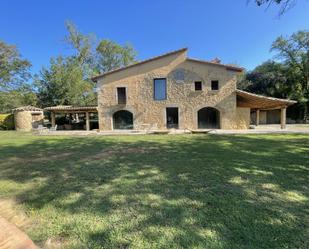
(53, 119)
(257, 122)
(87, 121)
(283, 118)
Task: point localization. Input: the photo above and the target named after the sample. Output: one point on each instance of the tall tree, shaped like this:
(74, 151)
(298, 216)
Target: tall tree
(63, 83)
(14, 70)
(268, 79)
(111, 55)
(22, 96)
(83, 48)
(98, 56)
(67, 80)
(293, 51)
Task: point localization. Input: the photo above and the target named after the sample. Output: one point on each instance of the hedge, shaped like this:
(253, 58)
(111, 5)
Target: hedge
(7, 122)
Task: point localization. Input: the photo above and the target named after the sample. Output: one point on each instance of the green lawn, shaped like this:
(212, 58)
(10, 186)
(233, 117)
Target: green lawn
(160, 191)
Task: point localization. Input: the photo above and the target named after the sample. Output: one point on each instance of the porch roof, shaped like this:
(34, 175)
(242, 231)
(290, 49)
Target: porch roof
(28, 108)
(70, 108)
(255, 101)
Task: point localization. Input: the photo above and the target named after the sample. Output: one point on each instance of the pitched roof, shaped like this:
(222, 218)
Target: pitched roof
(139, 63)
(70, 108)
(246, 99)
(28, 108)
(227, 67)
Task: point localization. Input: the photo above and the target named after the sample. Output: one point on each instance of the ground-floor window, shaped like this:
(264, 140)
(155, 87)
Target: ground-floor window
(208, 118)
(123, 120)
(172, 119)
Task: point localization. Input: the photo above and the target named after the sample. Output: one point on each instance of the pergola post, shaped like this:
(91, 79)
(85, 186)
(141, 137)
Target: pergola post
(87, 121)
(53, 119)
(257, 121)
(283, 118)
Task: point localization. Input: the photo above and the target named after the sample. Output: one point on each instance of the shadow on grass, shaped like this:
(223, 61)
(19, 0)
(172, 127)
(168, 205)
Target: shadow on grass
(165, 191)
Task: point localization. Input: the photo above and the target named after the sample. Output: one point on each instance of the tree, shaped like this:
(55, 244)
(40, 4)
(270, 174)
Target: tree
(284, 4)
(67, 80)
(98, 57)
(111, 55)
(288, 77)
(22, 96)
(63, 83)
(268, 79)
(14, 71)
(293, 51)
(83, 47)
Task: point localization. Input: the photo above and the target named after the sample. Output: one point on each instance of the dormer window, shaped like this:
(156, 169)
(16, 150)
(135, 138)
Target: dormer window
(214, 85)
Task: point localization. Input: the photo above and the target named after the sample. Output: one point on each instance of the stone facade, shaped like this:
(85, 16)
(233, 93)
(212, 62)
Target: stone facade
(27, 120)
(139, 83)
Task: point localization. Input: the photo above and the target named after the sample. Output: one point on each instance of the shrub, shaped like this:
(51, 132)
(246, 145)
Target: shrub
(7, 122)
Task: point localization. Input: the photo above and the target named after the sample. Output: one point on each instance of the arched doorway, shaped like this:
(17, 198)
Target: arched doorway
(208, 118)
(123, 120)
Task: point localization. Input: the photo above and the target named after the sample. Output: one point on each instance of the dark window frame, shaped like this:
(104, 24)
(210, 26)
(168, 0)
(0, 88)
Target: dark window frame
(200, 86)
(212, 86)
(154, 88)
(122, 101)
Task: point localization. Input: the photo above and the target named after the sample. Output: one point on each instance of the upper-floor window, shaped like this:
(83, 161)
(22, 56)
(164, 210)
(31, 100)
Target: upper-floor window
(121, 95)
(198, 85)
(214, 85)
(160, 89)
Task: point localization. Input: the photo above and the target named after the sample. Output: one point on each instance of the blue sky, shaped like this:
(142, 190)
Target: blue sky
(232, 30)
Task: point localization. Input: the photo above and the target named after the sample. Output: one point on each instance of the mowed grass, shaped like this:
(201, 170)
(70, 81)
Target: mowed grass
(160, 191)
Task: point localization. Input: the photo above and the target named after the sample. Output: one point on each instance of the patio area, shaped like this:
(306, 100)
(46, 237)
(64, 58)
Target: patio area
(260, 129)
(81, 118)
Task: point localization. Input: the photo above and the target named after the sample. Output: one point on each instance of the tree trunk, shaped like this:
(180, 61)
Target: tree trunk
(306, 112)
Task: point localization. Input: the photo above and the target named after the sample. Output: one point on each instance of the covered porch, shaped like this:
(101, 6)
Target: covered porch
(258, 103)
(73, 117)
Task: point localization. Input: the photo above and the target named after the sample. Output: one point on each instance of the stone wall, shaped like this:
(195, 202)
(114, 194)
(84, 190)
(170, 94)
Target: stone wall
(243, 118)
(139, 82)
(25, 121)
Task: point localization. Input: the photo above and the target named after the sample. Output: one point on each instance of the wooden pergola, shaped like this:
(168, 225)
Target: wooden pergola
(258, 102)
(71, 109)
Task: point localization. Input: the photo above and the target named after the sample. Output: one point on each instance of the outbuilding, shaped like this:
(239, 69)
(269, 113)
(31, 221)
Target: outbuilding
(27, 118)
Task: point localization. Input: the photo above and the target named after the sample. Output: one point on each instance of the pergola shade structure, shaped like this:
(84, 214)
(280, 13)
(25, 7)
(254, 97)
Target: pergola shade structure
(86, 110)
(258, 102)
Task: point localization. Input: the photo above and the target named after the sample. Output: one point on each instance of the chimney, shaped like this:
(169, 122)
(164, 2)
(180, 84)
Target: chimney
(216, 60)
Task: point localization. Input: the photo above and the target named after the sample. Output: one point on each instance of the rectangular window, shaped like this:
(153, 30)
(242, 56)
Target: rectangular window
(121, 95)
(214, 85)
(172, 117)
(198, 85)
(160, 89)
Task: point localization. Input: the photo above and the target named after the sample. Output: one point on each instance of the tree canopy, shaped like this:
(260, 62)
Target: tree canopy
(67, 79)
(14, 70)
(63, 83)
(288, 75)
(15, 89)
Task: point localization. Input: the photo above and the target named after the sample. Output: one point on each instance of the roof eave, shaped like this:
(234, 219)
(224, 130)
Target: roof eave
(95, 79)
(227, 67)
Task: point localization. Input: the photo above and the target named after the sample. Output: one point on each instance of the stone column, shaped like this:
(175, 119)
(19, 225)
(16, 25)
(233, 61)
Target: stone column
(257, 121)
(283, 118)
(87, 121)
(53, 119)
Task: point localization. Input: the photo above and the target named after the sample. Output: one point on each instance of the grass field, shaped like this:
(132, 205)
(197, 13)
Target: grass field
(160, 191)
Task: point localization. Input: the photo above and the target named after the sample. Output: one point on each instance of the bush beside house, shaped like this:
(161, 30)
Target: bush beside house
(7, 122)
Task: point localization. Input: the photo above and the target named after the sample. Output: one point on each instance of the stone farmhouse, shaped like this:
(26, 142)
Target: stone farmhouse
(170, 91)
(174, 91)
